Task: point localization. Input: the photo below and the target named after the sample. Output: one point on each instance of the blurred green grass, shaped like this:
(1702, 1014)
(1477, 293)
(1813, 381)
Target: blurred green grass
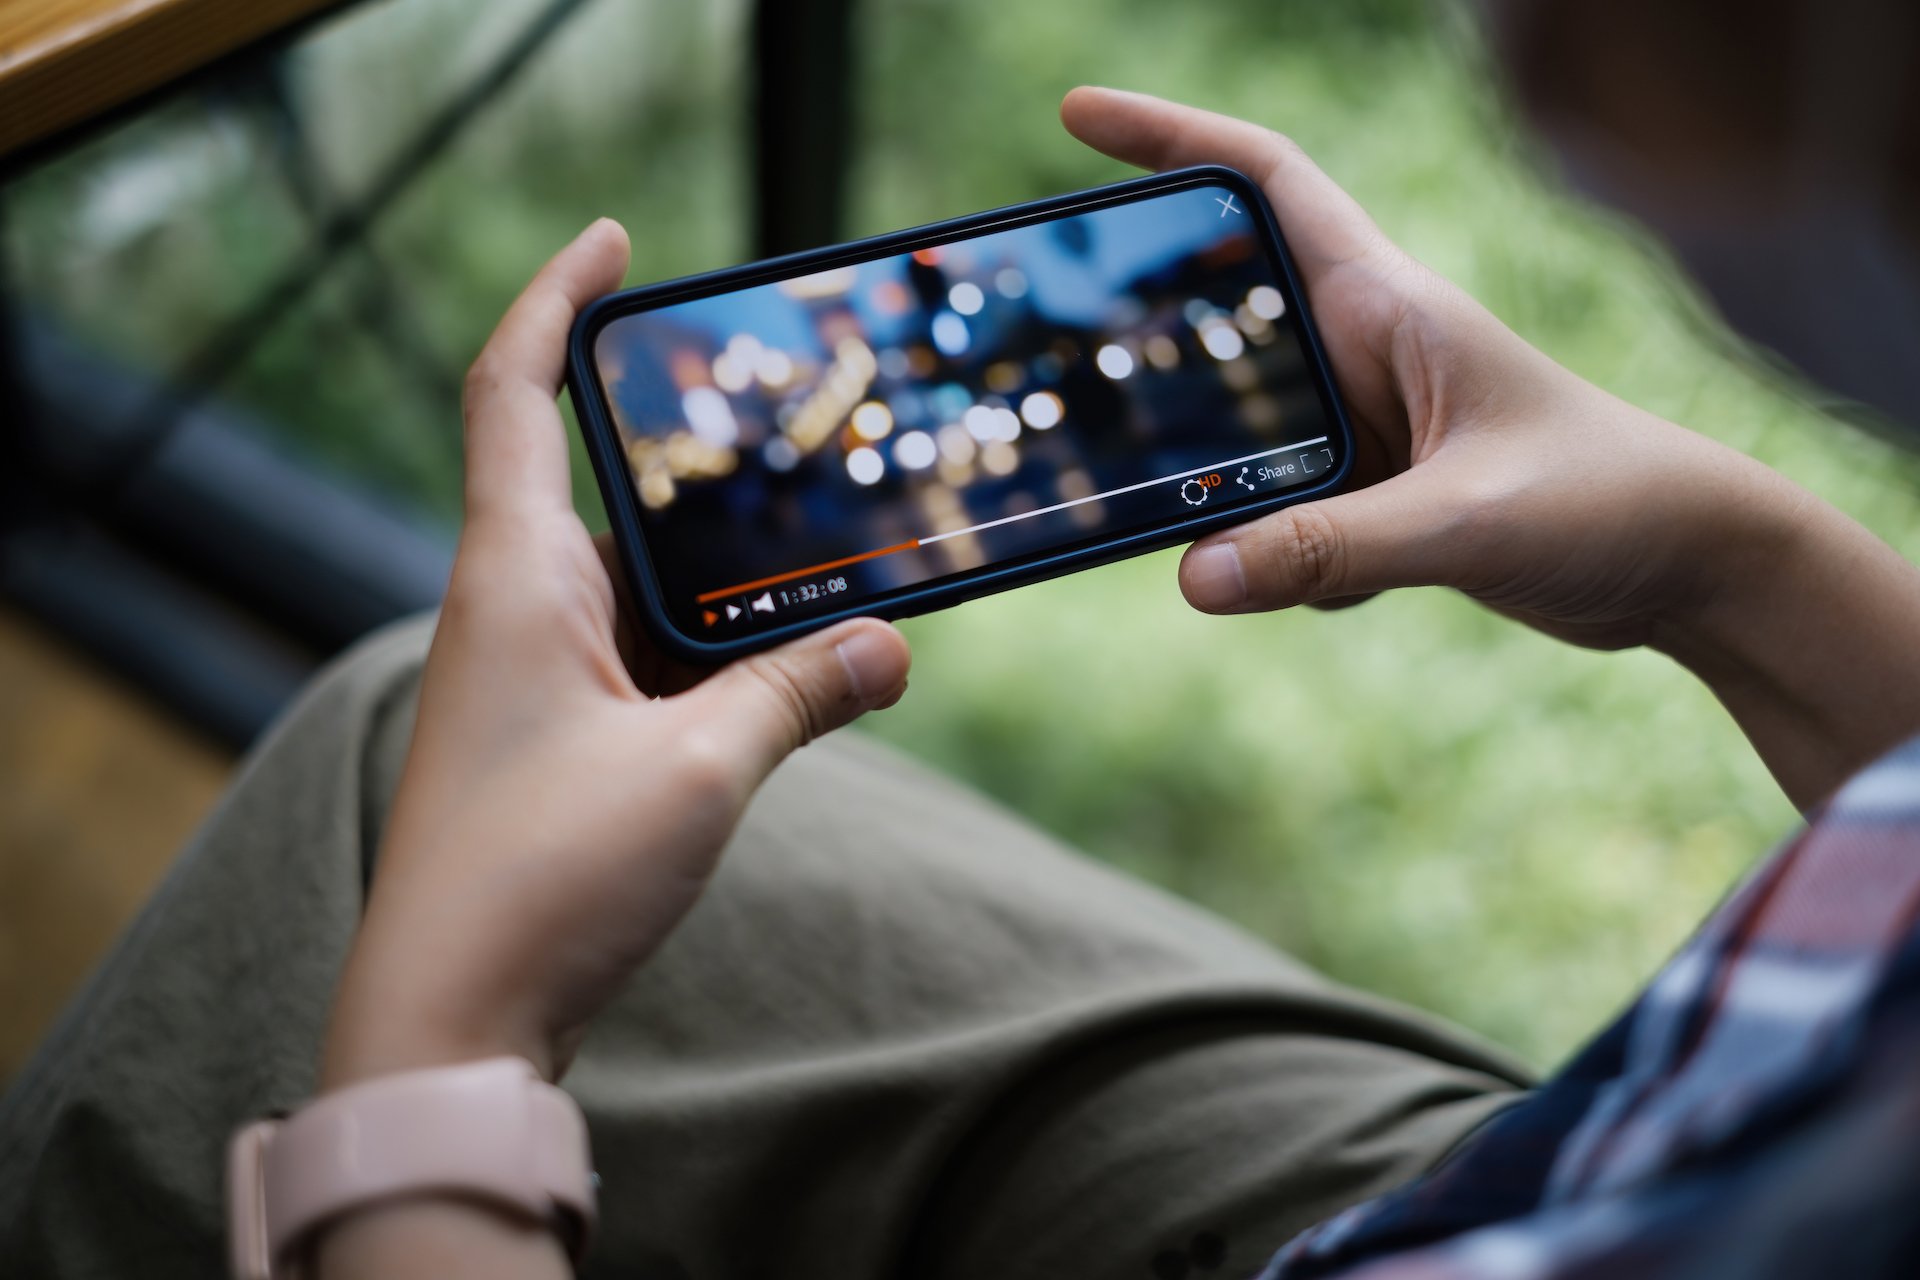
(1416, 796)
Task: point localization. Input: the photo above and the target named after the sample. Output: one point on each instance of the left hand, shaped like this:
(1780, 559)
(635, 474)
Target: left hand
(555, 820)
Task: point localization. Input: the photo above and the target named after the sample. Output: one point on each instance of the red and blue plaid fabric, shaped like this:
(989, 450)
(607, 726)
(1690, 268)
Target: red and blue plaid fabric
(1756, 1113)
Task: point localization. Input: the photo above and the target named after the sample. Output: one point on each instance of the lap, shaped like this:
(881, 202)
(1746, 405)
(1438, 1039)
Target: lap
(902, 1033)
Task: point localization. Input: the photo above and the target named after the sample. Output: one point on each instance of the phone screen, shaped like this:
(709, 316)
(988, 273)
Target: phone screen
(831, 440)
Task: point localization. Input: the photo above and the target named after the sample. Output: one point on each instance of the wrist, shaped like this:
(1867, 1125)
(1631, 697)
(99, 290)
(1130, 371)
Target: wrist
(1763, 542)
(383, 1024)
(361, 1051)
(1806, 638)
(459, 1160)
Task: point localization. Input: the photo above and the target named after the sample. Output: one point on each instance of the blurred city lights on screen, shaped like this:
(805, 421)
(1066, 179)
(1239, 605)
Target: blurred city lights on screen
(981, 424)
(780, 454)
(1222, 341)
(656, 489)
(943, 388)
(915, 451)
(730, 374)
(1004, 376)
(1261, 412)
(865, 465)
(950, 334)
(949, 400)
(843, 386)
(774, 366)
(821, 284)
(872, 421)
(733, 369)
(956, 444)
(710, 416)
(1042, 409)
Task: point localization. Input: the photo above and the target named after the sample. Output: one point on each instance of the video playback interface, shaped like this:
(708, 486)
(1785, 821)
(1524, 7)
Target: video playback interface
(831, 439)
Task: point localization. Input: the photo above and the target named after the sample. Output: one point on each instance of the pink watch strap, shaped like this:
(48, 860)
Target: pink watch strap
(491, 1130)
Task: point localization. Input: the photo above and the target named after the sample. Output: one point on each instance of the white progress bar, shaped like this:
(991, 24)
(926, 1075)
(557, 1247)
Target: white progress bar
(1144, 484)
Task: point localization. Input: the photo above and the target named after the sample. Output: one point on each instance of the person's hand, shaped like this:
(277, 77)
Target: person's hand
(554, 821)
(1490, 469)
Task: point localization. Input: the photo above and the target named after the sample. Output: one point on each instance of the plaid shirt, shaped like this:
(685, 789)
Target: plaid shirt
(1756, 1113)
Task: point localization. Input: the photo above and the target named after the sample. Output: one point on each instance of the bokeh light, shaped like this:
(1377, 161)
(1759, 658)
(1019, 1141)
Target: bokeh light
(1042, 410)
(1222, 341)
(872, 421)
(916, 451)
(950, 334)
(1265, 301)
(865, 465)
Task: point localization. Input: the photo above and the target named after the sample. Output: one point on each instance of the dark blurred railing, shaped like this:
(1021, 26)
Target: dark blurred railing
(151, 528)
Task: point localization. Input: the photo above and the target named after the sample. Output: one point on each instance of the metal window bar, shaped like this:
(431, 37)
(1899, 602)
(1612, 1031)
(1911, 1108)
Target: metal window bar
(218, 574)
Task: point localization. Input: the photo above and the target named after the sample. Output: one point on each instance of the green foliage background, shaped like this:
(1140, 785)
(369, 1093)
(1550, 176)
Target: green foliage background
(1415, 795)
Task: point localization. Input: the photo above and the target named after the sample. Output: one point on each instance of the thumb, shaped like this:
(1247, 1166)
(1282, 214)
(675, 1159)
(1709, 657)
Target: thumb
(1397, 534)
(761, 709)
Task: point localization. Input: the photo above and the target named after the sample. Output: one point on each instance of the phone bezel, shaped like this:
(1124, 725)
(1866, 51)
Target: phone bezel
(616, 485)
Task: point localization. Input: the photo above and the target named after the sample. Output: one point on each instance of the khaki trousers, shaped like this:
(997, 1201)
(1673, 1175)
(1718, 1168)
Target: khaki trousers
(902, 1035)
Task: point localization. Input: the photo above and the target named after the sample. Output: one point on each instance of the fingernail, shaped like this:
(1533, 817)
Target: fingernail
(1215, 581)
(872, 662)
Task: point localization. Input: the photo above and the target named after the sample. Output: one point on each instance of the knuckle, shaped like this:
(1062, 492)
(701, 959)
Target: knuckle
(790, 693)
(1284, 147)
(1305, 547)
(1283, 154)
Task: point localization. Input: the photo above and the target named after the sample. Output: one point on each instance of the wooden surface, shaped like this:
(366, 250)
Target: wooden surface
(64, 62)
(98, 790)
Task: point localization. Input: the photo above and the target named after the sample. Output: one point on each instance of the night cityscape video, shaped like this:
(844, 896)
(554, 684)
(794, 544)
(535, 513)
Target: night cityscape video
(827, 439)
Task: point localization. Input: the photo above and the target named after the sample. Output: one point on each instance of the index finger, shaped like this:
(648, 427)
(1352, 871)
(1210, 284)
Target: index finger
(516, 443)
(1324, 225)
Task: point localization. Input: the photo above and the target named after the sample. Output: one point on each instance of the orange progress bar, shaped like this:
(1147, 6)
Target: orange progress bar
(801, 573)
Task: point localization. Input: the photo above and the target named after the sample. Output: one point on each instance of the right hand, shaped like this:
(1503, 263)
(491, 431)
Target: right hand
(1492, 470)
(1486, 467)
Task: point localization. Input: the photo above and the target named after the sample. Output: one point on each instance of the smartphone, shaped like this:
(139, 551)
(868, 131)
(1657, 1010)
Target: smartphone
(899, 424)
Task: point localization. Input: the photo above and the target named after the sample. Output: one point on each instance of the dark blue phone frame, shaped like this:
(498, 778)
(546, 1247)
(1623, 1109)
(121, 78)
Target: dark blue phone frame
(616, 485)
